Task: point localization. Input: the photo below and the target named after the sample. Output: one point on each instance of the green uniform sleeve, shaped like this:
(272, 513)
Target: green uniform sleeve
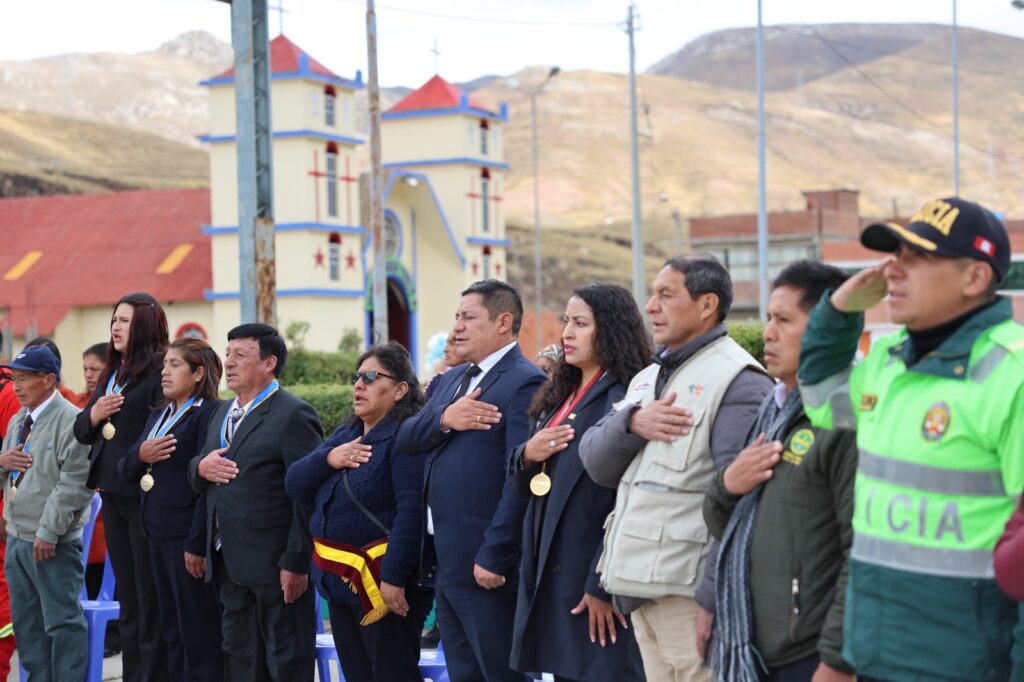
(828, 379)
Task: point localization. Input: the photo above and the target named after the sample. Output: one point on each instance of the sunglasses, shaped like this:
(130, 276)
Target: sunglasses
(369, 377)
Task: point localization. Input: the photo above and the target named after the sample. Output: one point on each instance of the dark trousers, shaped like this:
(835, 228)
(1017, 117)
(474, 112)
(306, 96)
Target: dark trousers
(476, 632)
(265, 640)
(190, 615)
(385, 651)
(801, 671)
(144, 653)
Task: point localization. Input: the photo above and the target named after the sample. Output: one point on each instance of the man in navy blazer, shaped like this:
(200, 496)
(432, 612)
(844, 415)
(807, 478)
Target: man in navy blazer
(475, 417)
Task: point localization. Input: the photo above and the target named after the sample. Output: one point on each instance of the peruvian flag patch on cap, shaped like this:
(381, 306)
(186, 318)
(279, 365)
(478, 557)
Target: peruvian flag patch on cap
(985, 246)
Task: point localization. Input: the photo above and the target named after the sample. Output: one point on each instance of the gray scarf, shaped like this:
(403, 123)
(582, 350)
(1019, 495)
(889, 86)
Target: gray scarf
(735, 657)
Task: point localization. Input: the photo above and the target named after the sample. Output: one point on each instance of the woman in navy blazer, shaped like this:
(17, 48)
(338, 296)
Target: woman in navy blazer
(388, 484)
(173, 516)
(565, 623)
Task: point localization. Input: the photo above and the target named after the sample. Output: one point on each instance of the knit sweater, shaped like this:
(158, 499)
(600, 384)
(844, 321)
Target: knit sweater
(390, 485)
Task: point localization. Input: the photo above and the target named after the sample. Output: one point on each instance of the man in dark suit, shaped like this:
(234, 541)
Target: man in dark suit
(475, 417)
(259, 543)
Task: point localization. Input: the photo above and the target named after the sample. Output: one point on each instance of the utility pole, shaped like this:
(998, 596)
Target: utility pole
(762, 183)
(639, 276)
(379, 300)
(255, 163)
(538, 298)
(956, 111)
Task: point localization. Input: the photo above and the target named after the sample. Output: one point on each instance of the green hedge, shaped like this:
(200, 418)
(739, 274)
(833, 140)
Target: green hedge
(317, 367)
(748, 335)
(333, 402)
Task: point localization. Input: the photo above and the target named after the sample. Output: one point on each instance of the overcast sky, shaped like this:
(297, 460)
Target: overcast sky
(475, 38)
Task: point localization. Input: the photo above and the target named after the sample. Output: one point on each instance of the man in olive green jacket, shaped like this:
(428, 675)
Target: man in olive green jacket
(799, 484)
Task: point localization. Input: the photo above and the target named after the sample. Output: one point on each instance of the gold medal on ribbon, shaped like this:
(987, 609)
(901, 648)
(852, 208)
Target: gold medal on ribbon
(109, 431)
(14, 491)
(540, 485)
(147, 482)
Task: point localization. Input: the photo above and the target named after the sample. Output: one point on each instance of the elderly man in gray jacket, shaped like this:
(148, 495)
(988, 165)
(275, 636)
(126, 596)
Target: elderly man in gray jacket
(45, 507)
(684, 417)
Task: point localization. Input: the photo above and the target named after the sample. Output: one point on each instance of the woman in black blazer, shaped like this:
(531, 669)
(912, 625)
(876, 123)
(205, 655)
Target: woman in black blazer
(111, 423)
(565, 623)
(173, 516)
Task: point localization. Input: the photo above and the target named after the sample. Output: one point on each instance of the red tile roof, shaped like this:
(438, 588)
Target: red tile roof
(436, 93)
(287, 57)
(97, 247)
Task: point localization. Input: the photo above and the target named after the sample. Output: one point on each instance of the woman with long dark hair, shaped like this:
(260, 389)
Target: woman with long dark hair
(111, 423)
(173, 516)
(367, 519)
(565, 623)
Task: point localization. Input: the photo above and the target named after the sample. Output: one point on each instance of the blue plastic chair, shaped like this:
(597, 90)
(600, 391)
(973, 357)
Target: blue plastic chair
(99, 611)
(432, 664)
(325, 651)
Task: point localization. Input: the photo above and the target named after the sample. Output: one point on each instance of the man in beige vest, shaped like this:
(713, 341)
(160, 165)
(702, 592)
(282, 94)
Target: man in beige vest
(684, 417)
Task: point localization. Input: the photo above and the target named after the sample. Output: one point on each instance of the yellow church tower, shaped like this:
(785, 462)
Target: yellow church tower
(440, 131)
(318, 232)
(443, 221)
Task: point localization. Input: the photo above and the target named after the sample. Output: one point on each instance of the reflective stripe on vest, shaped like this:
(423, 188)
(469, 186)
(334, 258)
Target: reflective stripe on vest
(934, 479)
(833, 391)
(952, 563)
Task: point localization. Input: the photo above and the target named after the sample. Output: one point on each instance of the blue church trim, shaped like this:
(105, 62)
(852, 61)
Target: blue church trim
(289, 227)
(401, 173)
(488, 241)
(289, 293)
(285, 134)
(463, 108)
(467, 160)
(303, 73)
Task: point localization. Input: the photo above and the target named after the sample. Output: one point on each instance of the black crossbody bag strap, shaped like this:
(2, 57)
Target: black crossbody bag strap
(359, 505)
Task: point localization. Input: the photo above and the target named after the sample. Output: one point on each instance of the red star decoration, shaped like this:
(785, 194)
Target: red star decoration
(318, 258)
(476, 267)
(350, 261)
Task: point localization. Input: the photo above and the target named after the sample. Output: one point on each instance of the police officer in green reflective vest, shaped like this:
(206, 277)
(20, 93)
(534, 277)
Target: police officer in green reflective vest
(939, 412)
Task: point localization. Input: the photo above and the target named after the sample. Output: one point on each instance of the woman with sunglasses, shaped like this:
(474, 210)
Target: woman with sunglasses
(565, 623)
(173, 516)
(111, 423)
(367, 513)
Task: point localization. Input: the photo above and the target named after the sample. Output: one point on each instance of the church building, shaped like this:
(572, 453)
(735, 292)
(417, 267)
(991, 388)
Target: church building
(69, 258)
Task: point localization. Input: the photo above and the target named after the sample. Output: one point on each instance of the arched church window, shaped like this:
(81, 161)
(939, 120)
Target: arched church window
(392, 235)
(485, 200)
(334, 256)
(484, 130)
(332, 179)
(330, 99)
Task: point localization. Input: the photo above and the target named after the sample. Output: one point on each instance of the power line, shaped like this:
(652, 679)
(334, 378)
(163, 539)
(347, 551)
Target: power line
(488, 20)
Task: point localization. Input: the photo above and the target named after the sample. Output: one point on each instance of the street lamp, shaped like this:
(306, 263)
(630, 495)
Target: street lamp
(532, 94)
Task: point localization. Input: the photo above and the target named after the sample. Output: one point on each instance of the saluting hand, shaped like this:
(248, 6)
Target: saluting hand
(661, 420)
(350, 455)
(157, 449)
(467, 413)
(547, 442)
(863, 290)
(215, 468)
(104, 408)
(15, 460)
(752, 467)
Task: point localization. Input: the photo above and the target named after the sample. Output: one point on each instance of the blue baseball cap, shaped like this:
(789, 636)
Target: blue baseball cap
(35, 359)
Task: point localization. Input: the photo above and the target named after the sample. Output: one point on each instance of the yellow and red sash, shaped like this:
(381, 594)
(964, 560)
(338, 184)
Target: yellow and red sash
(359, 569)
